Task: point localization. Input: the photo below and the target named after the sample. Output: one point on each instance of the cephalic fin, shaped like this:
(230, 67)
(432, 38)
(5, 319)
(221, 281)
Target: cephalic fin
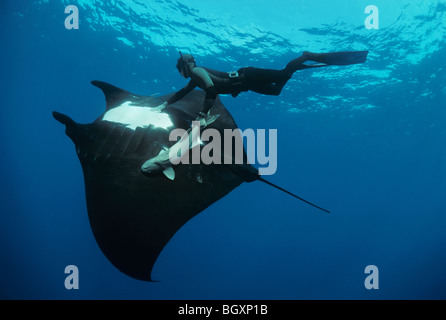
(64, 119)
(114, 96)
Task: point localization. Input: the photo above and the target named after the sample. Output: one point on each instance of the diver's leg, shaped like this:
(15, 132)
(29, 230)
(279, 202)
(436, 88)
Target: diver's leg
(299, 63)
(265, 81)
(296, 64)
(272, 89)
(265, 76)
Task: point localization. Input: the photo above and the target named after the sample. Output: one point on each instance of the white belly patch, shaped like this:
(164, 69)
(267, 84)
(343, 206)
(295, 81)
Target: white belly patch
(136, 116)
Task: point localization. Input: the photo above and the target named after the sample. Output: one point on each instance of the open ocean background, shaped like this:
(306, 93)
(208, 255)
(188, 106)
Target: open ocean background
(367, 142)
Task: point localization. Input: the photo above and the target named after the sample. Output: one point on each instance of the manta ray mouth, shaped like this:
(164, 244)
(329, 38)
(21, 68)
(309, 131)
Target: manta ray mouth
(134, 116)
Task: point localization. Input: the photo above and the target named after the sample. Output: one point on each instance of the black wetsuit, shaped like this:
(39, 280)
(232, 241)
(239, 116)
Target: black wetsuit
(264, 81)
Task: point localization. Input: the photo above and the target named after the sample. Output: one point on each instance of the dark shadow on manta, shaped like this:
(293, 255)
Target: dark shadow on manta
(132, 215)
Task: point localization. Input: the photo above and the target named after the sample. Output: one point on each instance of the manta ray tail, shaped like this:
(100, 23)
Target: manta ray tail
(292, 194)
(248, 173)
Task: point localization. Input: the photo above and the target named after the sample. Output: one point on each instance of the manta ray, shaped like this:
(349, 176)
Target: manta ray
(133, 214)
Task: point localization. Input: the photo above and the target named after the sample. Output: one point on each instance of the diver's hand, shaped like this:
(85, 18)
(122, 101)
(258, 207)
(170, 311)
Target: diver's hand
(201, 118)
(206, 119)
(161, 106)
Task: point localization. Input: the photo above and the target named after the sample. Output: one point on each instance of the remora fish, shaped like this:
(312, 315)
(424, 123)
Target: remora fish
(173, 155)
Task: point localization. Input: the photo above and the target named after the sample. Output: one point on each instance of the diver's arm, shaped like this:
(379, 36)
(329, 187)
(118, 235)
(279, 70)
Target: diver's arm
(211, 95)
(205, 82)
(180, 94)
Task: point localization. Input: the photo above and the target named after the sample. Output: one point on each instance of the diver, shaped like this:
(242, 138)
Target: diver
(264, 81)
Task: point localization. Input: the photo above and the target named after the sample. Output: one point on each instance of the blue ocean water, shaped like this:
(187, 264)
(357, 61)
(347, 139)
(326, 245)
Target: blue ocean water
(366, 141)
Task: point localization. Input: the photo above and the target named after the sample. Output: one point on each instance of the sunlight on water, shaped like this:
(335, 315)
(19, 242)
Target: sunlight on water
(409, 32)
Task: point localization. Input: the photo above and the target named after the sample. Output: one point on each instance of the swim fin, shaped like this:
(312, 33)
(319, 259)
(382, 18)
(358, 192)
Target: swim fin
(337, 58)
